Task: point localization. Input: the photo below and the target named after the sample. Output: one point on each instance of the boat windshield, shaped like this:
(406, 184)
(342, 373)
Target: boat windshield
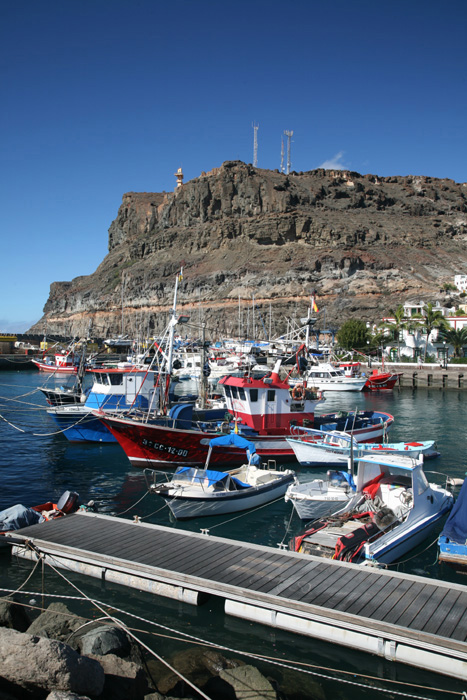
(420, 482)
(203, 477)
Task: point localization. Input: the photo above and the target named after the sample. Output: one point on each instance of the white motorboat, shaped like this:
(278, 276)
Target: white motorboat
(315, 447)
(320, 497)
(393, 510)
(325, 377)
(194, 492)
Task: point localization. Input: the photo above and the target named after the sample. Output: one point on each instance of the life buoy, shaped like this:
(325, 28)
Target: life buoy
(297, 392)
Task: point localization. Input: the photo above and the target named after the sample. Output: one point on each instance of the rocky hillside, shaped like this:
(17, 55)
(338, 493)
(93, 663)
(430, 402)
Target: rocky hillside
(362, 243)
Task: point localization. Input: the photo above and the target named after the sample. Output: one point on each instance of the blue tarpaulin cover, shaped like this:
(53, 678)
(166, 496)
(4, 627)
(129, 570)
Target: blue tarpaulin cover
(456, 525)
(237, 441)
(18, 516)
(205, 476)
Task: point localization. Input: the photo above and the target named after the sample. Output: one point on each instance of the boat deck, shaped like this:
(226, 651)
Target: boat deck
(402, 617)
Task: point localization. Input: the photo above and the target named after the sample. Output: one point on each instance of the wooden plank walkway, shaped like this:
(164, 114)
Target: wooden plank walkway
(407, 618)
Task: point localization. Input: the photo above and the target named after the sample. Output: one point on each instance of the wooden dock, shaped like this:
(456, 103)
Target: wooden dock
(404, 618)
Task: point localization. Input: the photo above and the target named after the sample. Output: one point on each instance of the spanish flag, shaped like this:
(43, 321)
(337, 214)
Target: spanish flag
(313, 305)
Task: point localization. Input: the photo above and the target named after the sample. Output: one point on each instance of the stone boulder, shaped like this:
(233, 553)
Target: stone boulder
(199, 665)
(13, 615)
(124, 680)
(57, 622)
(104, 640)
(244, 683)
(64, 695)
(51, 665)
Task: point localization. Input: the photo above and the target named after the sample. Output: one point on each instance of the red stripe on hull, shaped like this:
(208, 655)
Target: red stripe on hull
(148, 445)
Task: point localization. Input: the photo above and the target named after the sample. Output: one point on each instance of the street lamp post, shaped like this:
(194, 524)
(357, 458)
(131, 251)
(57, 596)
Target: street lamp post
(445, 359)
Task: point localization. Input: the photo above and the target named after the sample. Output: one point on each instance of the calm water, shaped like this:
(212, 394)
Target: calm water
(37, 463)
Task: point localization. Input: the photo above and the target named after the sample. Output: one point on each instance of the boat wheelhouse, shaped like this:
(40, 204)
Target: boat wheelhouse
(269, 405)
(115, 389)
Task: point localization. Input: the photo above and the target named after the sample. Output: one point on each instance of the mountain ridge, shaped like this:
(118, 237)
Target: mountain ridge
(360, 243)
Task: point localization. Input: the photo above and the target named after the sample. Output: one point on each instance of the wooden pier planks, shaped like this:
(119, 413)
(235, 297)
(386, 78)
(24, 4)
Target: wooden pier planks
(255, 574)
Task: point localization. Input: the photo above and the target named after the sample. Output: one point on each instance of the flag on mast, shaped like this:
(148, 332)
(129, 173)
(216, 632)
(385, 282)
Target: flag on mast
(313, 305)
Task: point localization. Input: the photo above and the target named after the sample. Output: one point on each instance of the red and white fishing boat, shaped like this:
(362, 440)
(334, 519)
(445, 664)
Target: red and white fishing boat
(263, 410)
(61, 363)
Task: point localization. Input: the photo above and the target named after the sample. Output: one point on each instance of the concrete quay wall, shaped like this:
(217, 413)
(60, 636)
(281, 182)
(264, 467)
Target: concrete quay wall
(427, 375)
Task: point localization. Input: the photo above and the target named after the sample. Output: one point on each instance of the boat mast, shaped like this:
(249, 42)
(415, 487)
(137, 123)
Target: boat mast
(172, 323)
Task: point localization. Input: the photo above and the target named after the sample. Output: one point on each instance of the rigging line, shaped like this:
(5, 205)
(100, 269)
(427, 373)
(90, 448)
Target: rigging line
(118, 623)
(403, 561)
(59, 432)
(11, 424)
(184, 636)
(24, 582)
(287, 529)
(21, 396)
(133, 506)
(252, 510)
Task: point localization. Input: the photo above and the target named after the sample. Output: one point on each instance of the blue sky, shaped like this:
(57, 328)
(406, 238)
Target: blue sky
(103, 97)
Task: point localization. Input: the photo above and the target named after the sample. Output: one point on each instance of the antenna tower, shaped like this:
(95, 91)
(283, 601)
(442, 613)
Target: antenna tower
(255, 144)
(282, 154)
(289, 135)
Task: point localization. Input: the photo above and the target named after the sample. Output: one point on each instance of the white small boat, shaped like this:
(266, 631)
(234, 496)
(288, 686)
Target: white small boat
(326, 377)
(315, 447)
(320, 497)
(393, 510)
(194, 492)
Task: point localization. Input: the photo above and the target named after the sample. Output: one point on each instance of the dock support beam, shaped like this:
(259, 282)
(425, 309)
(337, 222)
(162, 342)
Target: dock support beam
(433, 659)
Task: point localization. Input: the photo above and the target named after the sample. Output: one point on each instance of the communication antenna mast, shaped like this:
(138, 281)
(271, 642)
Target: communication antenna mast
(255, 144)
(289, 135)
(282, 154)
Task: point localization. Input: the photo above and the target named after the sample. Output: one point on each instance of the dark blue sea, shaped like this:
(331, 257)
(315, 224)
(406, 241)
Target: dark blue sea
(37, 464)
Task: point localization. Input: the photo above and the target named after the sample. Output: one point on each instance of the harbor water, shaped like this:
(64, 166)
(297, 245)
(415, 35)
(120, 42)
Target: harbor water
(38, 464)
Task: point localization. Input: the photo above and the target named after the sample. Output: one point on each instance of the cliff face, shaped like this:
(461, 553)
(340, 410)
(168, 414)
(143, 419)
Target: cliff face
(362, 243)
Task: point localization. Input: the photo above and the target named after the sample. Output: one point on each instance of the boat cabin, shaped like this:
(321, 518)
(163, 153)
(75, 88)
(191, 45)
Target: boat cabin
(269, 403)
(121, 386)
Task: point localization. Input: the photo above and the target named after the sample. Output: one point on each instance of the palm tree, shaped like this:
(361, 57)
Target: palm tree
(457, 337)
(430, 320)
(396, 326)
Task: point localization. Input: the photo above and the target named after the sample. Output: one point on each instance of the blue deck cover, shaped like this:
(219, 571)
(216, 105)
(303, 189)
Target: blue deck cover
(237, 441)
(456, 525)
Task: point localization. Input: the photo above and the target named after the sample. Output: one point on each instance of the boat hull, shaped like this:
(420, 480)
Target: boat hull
(316, 500)
(308, 453)
(384, 381)
(224, 503)
(150, 444)
(82, 427)
(55, 369)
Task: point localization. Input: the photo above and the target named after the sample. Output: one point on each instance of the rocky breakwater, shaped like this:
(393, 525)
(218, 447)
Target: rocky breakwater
(361, 243)
(61, 656)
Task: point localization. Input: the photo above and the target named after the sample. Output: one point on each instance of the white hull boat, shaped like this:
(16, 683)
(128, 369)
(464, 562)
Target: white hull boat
(394, 509)
(194, 492)
(314, 447)
(326, 377)
(320, 497)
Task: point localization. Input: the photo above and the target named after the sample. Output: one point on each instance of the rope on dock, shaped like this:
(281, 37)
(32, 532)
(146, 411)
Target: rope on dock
(300, 667)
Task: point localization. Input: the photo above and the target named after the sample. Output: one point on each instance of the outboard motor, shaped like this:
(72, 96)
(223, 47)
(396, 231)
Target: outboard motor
(68, 502)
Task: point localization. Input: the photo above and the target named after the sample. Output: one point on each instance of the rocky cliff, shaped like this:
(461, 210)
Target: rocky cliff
(361, 243)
